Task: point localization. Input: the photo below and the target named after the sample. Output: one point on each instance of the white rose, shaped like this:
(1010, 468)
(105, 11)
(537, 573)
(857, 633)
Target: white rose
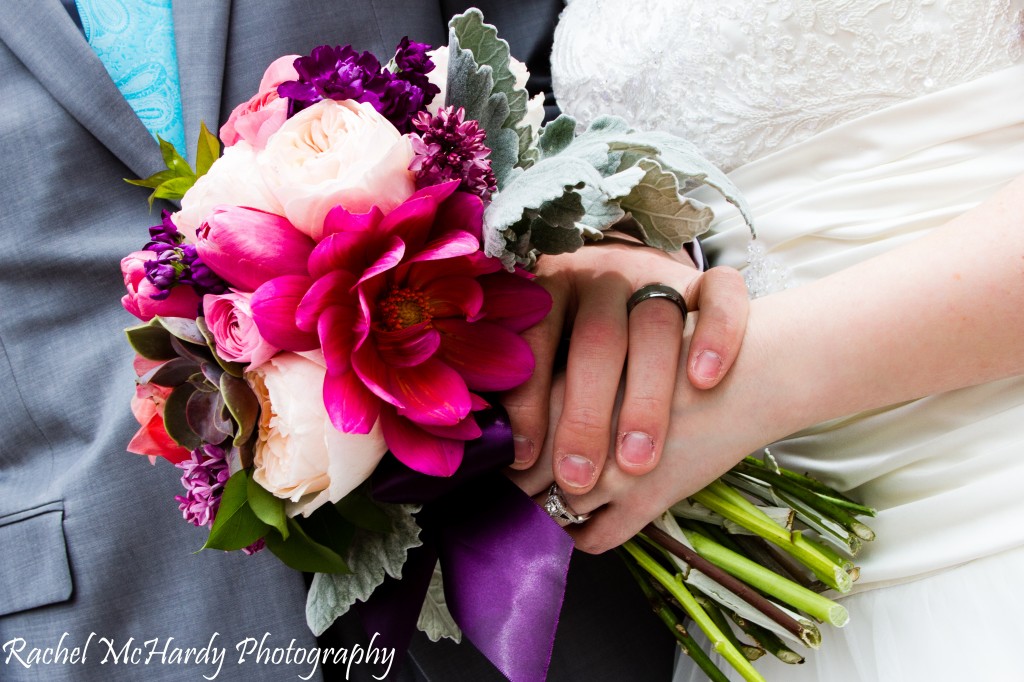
(300, 456)
(233, 179)
(336, 153)
(439, 76)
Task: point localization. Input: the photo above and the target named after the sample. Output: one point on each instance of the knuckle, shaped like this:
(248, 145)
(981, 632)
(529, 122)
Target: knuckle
(584, 421)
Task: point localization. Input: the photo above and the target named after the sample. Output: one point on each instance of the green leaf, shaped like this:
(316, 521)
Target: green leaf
(242, 404)
(207, 151)
(176, 417)
(183, 328)
(303, 553)
(151, 341)
(435, 620)
(666, 219)
(469, 32)
(236, 525)
(267, 507)
(207, 416)
(329, 528)
(171, 183)
(153, 181)
(172, 373)
(373, 557)
(236, 369)
(362, 511)
(173, 160)
(556, 136)
(173, 189)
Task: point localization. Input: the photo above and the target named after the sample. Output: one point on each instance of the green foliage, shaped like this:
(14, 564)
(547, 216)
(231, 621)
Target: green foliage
(178, 177)
(236, 525)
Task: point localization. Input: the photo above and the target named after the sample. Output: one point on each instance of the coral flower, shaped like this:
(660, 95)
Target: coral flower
(414, 322)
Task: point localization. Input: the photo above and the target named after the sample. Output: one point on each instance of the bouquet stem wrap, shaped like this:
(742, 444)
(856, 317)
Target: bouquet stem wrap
(504, 560)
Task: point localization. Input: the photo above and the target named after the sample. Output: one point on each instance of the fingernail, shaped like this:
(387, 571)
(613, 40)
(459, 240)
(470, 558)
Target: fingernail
(524, 449)
(707, 365)
(576, 470)
(636, 448)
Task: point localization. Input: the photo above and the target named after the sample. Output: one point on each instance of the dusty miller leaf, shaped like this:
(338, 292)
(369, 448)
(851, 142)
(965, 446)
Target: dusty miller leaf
(556, 136)
(471, 86)
(666, 220)
(373, 556)
(469, 31)
(435, 620)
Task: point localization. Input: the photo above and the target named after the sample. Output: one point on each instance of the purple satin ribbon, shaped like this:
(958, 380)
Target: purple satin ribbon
(504, 560)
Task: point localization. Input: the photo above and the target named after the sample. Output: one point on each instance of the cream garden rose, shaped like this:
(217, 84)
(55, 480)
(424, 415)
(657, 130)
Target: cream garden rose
(336, 153)
(300, 456)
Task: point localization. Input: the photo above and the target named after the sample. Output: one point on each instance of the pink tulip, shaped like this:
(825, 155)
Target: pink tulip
(413, 320)
(229, 319)
(247, 247)
(182, 301)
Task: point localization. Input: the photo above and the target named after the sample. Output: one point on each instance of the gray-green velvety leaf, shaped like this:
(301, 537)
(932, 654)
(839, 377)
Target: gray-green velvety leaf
(470, 86)
(599, 211)
(435, 620)
(667, 220)
(469, 31)
(556, 136)
(373, 556)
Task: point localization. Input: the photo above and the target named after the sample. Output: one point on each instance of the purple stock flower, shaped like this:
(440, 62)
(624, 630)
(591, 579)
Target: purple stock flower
(206, 473)
(341, 73)
(450, 148)
(177, 263)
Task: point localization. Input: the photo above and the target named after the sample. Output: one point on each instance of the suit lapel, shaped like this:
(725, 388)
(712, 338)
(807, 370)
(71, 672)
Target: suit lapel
(200, 30)
(46, 40)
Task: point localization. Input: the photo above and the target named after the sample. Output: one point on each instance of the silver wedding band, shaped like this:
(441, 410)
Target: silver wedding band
(558, 509)
(649, 291)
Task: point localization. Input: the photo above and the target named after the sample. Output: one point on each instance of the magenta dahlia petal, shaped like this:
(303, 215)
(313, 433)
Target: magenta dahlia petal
(513, 301)
(450, 245)
(467, 429)
(408, 347)
(248, 247)
(488, 357)
(351, 407)
(348, 251)
(334, 288)
(478, 402)
(455, 297)
(418, 449)
(394, 251)
(464, 210)
(335, 328)
(412, 220)
(372, 371)
(430, 393)
(340, 220)
(419, 275)
(273, 310)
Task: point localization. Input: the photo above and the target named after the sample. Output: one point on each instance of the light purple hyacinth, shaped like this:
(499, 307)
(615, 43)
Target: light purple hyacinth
(206, 473)
(451, 148)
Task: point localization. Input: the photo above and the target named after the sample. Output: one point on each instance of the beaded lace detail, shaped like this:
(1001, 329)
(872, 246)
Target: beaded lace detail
(741, 78)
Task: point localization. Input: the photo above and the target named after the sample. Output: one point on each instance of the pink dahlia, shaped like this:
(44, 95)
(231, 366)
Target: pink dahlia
(414, 321)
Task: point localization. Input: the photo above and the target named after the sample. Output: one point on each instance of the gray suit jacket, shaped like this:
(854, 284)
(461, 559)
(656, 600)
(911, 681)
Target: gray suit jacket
(93, 553)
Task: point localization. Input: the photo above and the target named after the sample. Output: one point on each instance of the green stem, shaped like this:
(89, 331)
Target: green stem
(675, 587)
(717, 614)
(768, 641)
(816, 486)
(668, 616)
(799, 597)
(732, 505)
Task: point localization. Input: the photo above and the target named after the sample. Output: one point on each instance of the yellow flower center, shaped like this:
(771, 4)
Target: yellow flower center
(403, 308)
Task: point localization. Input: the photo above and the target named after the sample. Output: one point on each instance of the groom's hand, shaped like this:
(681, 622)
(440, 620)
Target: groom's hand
(590, 289)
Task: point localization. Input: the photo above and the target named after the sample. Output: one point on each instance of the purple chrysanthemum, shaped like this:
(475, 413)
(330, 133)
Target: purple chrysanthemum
(451, 148)
(177, 263)
(206, 473)
(341, 73)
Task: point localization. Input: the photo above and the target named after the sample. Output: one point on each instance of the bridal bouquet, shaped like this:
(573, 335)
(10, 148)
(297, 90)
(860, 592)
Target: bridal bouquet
(326, 319)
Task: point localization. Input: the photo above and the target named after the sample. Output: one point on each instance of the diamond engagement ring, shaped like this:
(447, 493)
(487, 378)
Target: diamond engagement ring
(649, 291)
(557, 508)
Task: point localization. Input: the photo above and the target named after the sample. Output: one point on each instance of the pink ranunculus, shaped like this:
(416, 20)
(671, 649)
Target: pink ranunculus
(229, 319)
(182, 301)
(413, 320)
(234, 179)
(336, 153)
(299, 455)
(247, 247)
(151, 438)
(259, 118)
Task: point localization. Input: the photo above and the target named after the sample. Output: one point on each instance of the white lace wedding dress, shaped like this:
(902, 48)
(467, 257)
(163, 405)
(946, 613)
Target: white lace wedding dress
(854, 126)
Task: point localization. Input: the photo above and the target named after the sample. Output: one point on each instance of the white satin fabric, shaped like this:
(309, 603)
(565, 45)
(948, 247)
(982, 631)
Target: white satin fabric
(945, 471)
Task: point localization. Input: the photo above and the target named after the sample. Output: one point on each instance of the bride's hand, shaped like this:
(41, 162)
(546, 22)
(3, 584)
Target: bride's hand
(590, 289)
